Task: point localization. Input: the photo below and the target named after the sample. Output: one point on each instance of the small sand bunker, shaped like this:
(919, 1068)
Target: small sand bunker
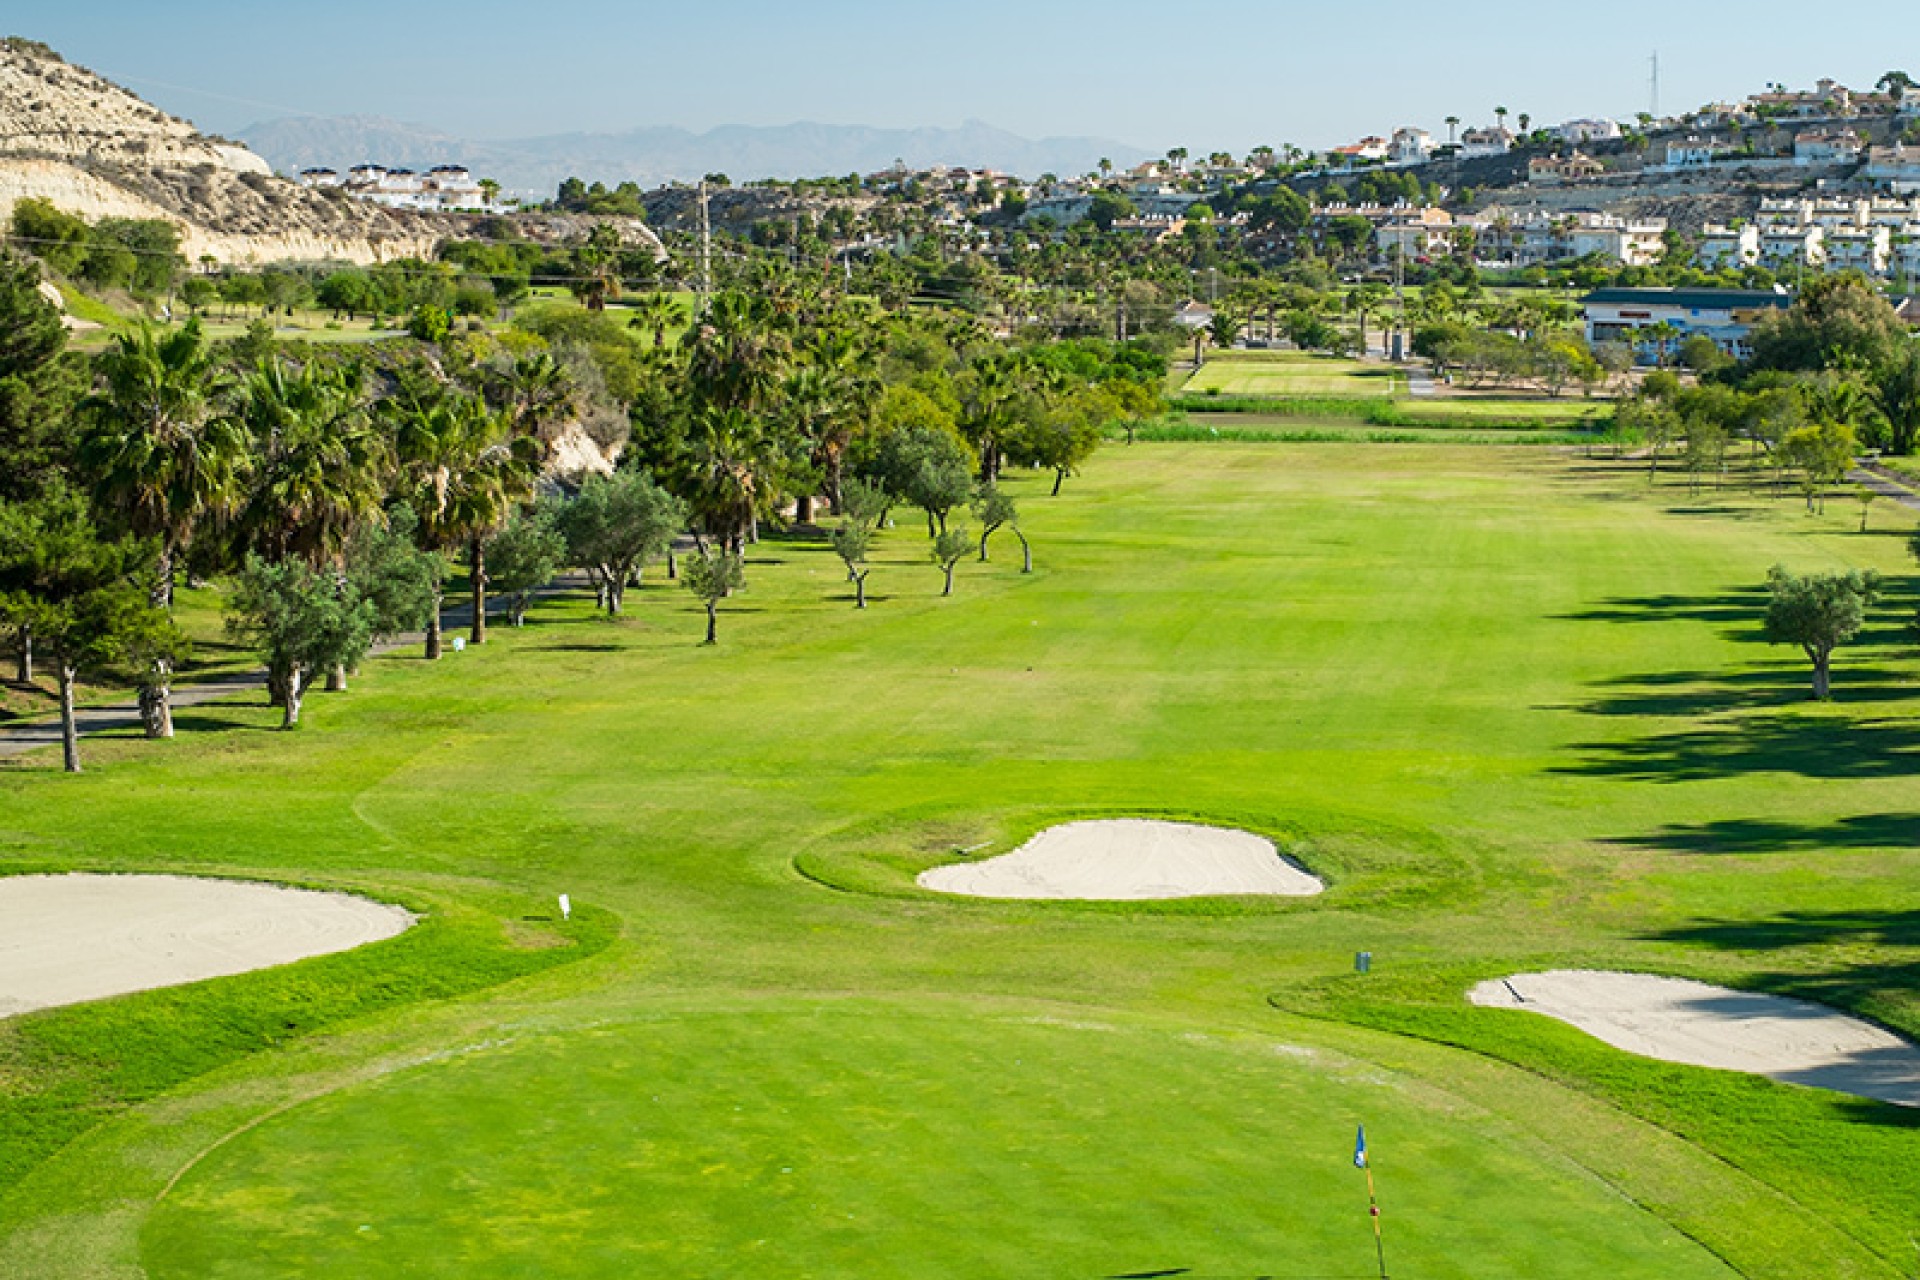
(1129, 859)
(66, 939)
(1676, 1020)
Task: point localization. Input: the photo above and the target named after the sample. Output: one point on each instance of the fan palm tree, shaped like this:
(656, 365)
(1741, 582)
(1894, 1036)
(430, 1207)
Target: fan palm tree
(164, 458)
(322, 466)
(1224, 329)
(658, 312)
(1895, 390)
(465, 470)
(730, 478)
(598, 265)
(736, 354)
(537, 390)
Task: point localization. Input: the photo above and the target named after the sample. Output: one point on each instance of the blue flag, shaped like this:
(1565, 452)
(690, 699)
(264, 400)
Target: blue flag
(1360, 1149)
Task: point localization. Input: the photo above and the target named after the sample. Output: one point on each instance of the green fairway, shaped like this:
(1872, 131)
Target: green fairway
(1291, 373)
(1512, 704)
(882, 1140)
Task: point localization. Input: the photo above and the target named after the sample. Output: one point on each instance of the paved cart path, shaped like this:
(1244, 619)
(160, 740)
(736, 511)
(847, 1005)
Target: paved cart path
(18, 739)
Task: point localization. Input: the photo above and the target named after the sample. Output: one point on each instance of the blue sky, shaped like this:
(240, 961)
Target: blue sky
(1227, 74)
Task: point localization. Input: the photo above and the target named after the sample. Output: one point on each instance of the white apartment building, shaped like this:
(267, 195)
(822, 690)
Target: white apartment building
(1783, 247)
(1905, 259)
(1864, 249)
(1724, 248)
(1895, 169)
(1536, 238)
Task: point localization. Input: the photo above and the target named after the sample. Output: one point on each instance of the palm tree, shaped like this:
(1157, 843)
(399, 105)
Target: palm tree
(537, 390)
(321, 469)
(1224, 329)
(1895, 389)
(1363, 302)
(729, 480)
(988, 397)
(736, 354)
(163, 458)
(598, 264)
(465, 471)
(321, 465)
(658, 312)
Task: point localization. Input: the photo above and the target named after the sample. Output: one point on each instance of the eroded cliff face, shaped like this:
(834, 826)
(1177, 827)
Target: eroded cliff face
(91, 148)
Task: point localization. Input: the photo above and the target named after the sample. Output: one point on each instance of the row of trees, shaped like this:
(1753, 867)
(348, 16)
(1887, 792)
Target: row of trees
(332, 490)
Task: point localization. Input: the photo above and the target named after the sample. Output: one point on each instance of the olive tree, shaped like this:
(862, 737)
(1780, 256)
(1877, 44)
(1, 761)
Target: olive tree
(302, 622)
(617, 525)
(524, 557)
(712, 577)
(994, 508)
(927, 467)
(851, 542)
(1819, 612)
(951, 546)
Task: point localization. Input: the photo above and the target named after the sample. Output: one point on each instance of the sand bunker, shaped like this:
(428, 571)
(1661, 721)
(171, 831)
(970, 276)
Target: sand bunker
(1676, 1020)
(65, 939)
(1128, 859)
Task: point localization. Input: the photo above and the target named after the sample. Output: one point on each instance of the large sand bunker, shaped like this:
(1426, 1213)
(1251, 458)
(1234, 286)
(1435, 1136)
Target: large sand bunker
(65, 939)
(1129, 859)
(1677, 1020)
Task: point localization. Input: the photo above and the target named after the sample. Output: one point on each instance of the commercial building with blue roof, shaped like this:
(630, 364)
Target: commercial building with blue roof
(1726, 316)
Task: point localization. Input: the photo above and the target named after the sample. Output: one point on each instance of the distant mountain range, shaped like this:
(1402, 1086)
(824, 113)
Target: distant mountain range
(657, 155)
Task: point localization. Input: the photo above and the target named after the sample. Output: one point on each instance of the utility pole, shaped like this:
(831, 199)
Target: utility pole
(1397, 349)
(1653, 107)
(706, 252)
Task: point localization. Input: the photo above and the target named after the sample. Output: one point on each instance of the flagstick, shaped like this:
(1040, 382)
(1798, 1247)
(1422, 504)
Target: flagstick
(1373, 1208)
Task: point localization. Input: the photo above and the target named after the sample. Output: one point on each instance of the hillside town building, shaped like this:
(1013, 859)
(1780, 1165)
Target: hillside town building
(444, 188)
(1726, 316)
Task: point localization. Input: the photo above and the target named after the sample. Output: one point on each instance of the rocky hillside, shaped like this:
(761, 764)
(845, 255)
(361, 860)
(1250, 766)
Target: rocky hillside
(92, 148)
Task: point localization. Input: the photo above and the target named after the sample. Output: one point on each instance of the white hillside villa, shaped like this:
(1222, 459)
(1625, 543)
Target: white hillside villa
(447, 188)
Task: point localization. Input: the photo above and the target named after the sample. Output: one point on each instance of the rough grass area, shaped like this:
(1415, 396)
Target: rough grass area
(1514, 704)
(1246, 428)
(1436, 412)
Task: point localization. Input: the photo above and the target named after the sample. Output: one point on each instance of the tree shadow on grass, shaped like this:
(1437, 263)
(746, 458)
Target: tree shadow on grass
(1862, 962)
(1745, 605)
(1754, 835)
(1742, 613)
(1700, 693)
(1807, 746)
(205, 722)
